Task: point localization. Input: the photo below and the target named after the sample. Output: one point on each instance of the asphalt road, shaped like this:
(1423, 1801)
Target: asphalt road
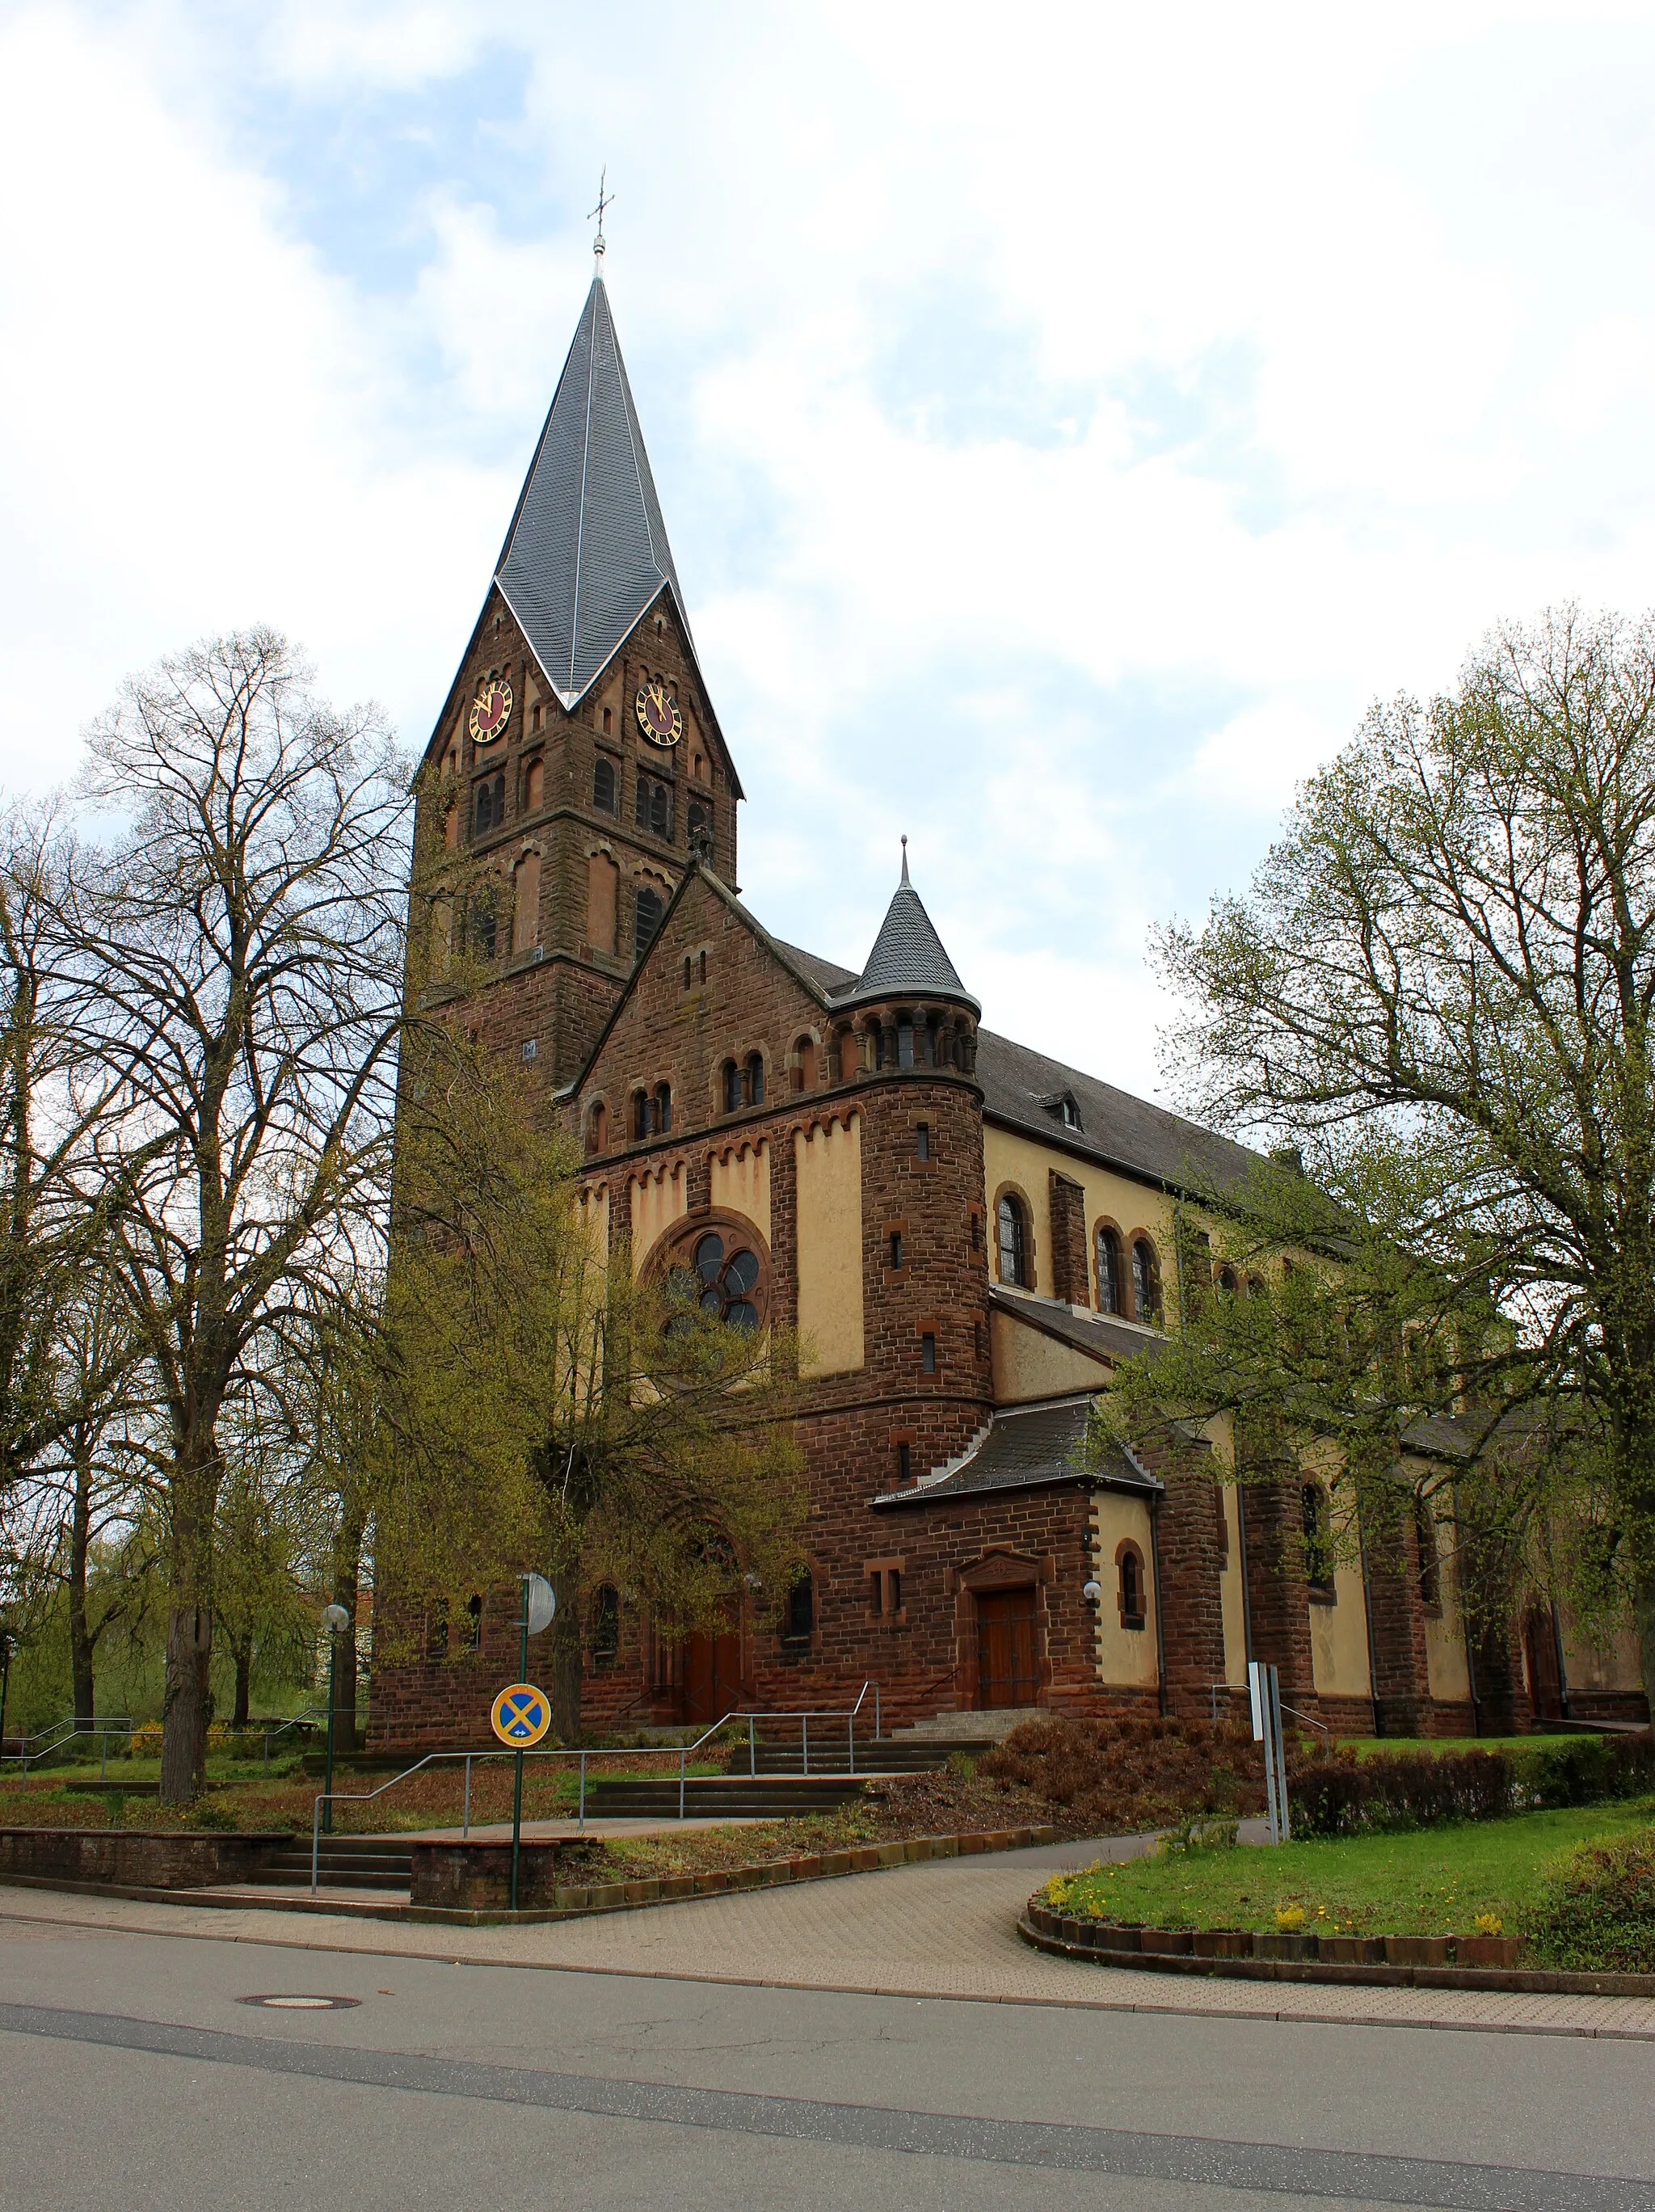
(136, 2075)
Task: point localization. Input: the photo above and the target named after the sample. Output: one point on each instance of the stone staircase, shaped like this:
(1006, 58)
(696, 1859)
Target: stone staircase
(722, 1797)
(345, 1862)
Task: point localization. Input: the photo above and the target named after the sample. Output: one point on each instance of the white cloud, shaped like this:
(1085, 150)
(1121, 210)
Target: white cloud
(1066, 423)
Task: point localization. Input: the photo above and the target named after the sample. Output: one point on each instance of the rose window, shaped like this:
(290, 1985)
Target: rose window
(721, 1272)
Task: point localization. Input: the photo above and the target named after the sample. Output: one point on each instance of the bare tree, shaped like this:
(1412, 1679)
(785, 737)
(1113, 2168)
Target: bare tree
(233, 928)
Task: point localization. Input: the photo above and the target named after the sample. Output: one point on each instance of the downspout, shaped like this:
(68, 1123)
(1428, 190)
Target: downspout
(1161, 1631)
(1241, 1559)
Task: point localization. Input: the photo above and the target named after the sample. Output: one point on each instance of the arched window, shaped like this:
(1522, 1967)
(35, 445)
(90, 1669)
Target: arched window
(1319, 1546)
(1109, 1282)
(1129, 1560)
(804, 1064)
(653, 809)
(732, 1087)
(603, 784)
(606, 1625)
(845, 1048)
(597, 1127)
(1225, 1282)
(489, 806)
(755, 1078)
(640, 1113)
(484, 926)
(700, 819)
(534, 786)
(905, 1043)
(798, 1622)
(1146, 1282)
(647, 910)
(661, 1116)
(1014, 1242)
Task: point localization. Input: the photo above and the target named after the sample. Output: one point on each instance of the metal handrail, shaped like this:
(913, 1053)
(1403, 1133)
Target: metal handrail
(1327, 1733)
(66, 1731)
(431, 1758)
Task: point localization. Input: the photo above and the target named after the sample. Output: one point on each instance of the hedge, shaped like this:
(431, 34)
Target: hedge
(1347, 1796)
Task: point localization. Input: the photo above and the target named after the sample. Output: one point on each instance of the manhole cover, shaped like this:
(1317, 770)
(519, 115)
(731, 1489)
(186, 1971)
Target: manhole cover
(293, 2002)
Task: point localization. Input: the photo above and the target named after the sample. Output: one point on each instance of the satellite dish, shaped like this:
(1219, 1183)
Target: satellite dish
(543, 1602)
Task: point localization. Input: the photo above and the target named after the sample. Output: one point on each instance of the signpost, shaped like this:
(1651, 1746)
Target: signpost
(337, 1621)
(1264, 1689)
(521, 1714)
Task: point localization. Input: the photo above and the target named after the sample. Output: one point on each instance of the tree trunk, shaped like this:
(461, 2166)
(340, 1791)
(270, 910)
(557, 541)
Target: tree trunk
(242, 1648)
(564, 1658)
(188, 1706)
(346, 1589)
(79, 1544)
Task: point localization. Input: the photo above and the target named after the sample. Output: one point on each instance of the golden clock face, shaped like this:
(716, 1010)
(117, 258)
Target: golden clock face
(491, 710)
(657, 713)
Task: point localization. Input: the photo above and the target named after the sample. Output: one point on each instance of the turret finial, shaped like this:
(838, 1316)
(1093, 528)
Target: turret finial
(905, 859)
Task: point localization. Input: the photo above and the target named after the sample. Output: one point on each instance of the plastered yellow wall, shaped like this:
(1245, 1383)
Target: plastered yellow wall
(828, 1164)
(741, 1184)
(659, 1200)
(1028, 1365)
(1609, 1664)
(1338, 1639)
(593, 1206)
(1008, 1157)
(1126, 1656)
(1232, 1596)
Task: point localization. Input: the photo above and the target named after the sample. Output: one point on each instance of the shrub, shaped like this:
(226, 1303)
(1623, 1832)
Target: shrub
(1130, 1773)
(1343, 1796)
(1596, 1913)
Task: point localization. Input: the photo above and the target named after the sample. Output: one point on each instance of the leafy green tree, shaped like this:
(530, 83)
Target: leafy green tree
(541, 1408)
(1440, 986)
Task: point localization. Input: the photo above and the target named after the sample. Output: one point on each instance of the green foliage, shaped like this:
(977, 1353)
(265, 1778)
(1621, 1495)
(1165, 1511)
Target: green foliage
(1197, 1834)
(538, 1405)
(962, 1764)
(1597, 1909)
(1431, 1881)
(1347, 1796)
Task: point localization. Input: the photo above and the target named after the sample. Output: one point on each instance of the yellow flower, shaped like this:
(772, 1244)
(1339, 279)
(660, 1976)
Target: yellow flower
(1289, 1918)
(1489, 1923)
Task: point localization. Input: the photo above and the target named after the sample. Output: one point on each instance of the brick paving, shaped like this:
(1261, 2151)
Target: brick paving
(944, 1929)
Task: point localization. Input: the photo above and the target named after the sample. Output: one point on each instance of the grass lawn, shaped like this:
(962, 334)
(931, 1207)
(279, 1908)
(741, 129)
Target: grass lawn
(1435, 1746)
(1430, 1881)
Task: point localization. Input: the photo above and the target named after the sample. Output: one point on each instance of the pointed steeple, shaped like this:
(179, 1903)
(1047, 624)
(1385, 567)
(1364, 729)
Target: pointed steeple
(587, 549)
(908, 957)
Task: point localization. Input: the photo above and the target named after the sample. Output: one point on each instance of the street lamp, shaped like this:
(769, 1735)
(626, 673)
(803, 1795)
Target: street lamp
(338, 1620)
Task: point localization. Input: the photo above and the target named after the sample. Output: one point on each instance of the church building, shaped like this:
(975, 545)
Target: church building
(968, 1236)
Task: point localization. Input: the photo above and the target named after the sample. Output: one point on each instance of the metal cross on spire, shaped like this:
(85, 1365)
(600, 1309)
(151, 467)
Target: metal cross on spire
(605, 199)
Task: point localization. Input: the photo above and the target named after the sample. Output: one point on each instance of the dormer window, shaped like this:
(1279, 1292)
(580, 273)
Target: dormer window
(1068, 1112)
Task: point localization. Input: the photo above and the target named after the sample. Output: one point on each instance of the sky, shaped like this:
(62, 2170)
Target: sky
(1068, 420)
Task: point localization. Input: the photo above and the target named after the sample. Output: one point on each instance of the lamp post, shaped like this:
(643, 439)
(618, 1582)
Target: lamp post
(338, 1620)
(5, 1683)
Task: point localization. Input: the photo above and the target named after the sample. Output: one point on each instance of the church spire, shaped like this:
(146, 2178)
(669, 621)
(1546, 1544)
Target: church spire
(908, 955)
(587, 551)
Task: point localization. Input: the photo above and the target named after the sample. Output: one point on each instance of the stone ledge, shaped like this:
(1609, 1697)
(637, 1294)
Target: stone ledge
(1223, 1954)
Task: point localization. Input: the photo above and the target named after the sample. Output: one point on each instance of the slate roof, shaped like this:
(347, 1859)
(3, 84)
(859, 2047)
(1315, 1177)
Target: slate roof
(1104, 1336)
(1026, 1089)
(908, 954)
(1029, 1448)
(587, 551)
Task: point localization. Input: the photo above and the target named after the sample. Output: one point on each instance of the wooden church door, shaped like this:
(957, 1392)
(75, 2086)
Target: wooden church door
(1006, 1672)
(712, 1673)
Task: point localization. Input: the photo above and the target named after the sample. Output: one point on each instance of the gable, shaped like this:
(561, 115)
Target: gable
(711, 988)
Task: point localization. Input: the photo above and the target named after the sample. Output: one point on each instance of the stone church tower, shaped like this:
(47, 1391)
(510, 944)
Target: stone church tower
(577, 761)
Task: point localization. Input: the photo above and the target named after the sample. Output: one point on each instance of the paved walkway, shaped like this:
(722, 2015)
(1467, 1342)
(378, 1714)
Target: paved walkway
(941, 1928)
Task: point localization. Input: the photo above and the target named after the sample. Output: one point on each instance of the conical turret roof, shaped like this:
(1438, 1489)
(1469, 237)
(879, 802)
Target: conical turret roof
(587, 549)
(908, 956)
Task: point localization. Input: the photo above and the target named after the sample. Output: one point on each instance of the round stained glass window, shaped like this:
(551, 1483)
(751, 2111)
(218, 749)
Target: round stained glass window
(723, 1273)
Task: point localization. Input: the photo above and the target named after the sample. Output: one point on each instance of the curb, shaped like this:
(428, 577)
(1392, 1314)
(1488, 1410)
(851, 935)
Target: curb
(582, 1903)
(1039, 1928)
